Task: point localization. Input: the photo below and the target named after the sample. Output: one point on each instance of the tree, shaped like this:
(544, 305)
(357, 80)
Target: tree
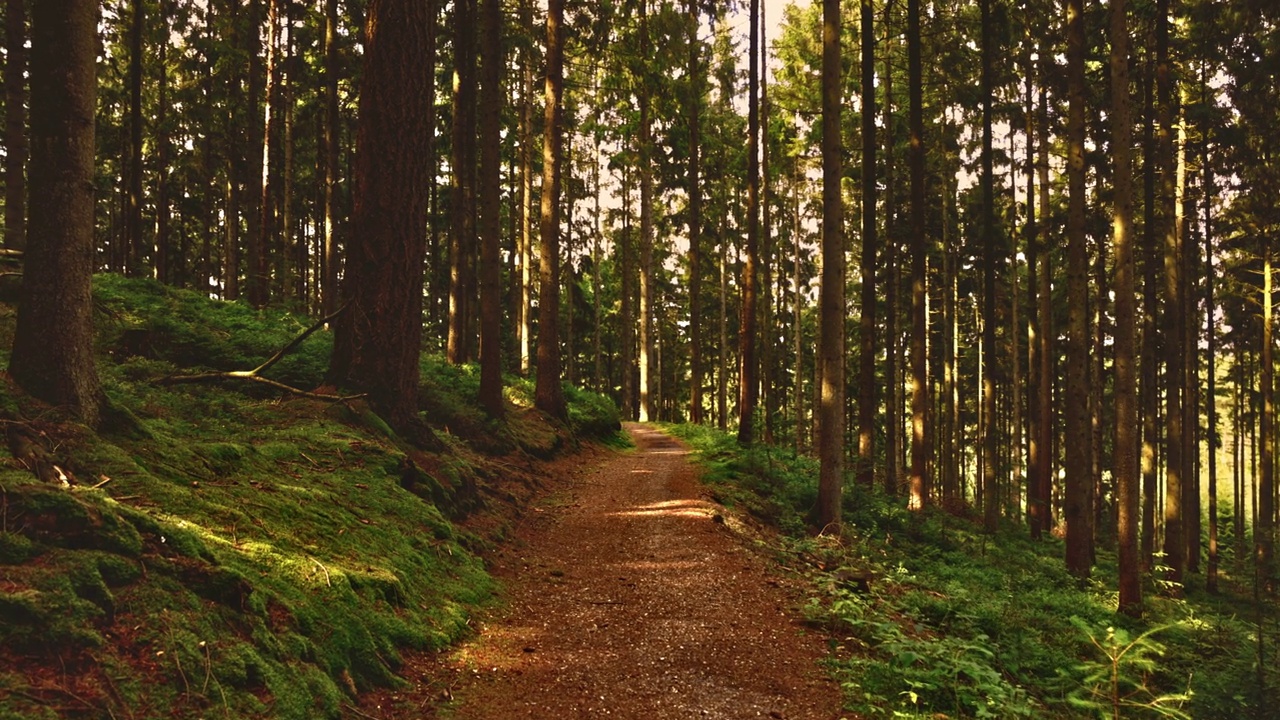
(748, 369)
(549, 395)
(462, 248)
(694, 111)
(329, 165)
(1126, 394)
(53, 343)
(492, 61)
(831, 302)
(646, 231)
(15, 127)
(990, 486)
(1077, 509)
(377, 341)
(920, 430)
(867, 322)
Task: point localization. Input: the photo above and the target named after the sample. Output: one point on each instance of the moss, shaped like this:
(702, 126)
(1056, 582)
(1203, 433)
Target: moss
(16, 549)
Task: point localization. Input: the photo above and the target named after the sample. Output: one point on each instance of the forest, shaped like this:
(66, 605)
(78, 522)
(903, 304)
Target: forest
(999, 267)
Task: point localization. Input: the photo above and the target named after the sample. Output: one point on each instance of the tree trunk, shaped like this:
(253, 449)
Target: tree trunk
(1079, 548)
(646, 233)
(462, 241)
(920, 431)
(53, 344)
(626, 309)
(1211, 351)
(492, 62)
(377, 341)
(261, 253)
(15, 128)
(1149, 390)
(1174, 542)
(329, 161)
(892, 426)
(1045, 420)
(525, 317)
(695, 218)
(549, 395)
(831, 406)
(1264, 532)
(867, 322)
(164, 259)
(133, 250)
(991, 490)
(1126, 394)
(748, 370)
(251, 159)
(1035, 448)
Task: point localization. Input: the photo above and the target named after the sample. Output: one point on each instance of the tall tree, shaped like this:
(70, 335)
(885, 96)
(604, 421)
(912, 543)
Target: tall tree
(646, 231)
(749, 370)
(549, 395)
(15, 125)
(492, 62)
(1265, 527)
(377, 341)
(1174, 543)
(53, 344)
(867, 321)
(462, 249)
(920, 430)
(1126, 393)
(329, 161)
(831, 303)
(1077, 509)
(990, 486)
(132, 258)
(694, 111)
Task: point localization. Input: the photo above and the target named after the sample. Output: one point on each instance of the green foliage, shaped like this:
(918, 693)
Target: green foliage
(1117, 685)
(931, 617)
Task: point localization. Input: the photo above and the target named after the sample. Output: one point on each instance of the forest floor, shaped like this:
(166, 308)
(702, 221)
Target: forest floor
(626, 594)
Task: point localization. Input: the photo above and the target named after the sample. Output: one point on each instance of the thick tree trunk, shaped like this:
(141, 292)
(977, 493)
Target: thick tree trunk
(15, 127)
(525, 317)
(261, 253)
(1078, 512)
(329, 161)
(549, 395)
(251, 160)
(646, 234)
(462, 240)
(53, 344)
(492, 62)
(920, 431)
(1126, 394)
(377, 342)
(831, 303)
(892, 424)
(867, 322)
(1149, 390)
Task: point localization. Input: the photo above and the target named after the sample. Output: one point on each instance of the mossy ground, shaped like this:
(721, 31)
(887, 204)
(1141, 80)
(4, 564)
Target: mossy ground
(227, 551)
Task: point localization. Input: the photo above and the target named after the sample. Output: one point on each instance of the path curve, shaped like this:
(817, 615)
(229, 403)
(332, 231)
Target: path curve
(629, 598)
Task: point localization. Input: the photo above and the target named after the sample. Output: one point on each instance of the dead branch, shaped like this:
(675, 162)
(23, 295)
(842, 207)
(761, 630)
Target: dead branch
(255, 375)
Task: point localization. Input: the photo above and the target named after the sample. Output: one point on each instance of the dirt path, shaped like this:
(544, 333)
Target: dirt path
(628, 599)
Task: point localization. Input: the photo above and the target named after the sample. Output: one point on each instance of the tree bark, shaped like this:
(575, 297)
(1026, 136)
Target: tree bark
(15, 128)
(549, 395)
(133, 250)
(1126, 394)
(831, 303)
(329, 161)
(462, 242)
(1264, 542)
(377, 341)
(694, 111)
(53, 343)
(646, 233)
(919, 482)
(991, 489)
(748, 370)
(1078, 512)
(867, 404)
(492, 62)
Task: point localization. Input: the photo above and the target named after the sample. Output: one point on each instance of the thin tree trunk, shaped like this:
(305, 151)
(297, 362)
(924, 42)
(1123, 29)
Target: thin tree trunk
(1264, 542)
(748, 371)
(831, 303)
(1035, 448)
(549, 393)
(261, 253)
(1079, 550)
(1126, 427)
(626, 311)
(1149, 391)
(329, 142)
(797, 330)
(163, 257)
(525, 317)
(695, 217)
(1211, 351)
(133, 255)
(867, 322)
(15, 129)
(1044, 297)
(920, 431)
(1174, 542)
(646, 233)
(892, 423)
(462, 248)
(991, 490)
(492, 63)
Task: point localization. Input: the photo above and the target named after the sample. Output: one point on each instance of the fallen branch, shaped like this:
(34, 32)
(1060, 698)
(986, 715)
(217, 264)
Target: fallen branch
(255, 375)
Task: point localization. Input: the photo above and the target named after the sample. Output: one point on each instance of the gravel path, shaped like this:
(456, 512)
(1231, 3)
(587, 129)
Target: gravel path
(628, 598)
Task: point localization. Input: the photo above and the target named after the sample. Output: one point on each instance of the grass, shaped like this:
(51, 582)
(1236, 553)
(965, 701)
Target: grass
(227, 552)
(930, 617)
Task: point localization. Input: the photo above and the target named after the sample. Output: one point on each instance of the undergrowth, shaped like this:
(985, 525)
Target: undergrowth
(930, 617)
(224, 551)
